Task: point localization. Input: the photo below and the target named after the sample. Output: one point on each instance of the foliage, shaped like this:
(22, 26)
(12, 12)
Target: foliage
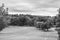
(21, 21)
(45, 25)
(2, 24)
(58, 22)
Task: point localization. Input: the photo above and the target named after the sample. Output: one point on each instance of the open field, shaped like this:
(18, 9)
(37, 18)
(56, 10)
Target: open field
(27, 33)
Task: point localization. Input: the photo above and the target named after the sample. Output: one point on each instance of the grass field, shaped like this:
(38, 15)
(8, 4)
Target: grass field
(27, 33)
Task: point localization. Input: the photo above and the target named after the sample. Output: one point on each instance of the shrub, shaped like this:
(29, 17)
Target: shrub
(2, 24)
(21, 21)
(58, 23)
(30, 23)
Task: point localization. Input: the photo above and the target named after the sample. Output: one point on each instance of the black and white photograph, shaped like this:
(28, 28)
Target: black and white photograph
(29, 19)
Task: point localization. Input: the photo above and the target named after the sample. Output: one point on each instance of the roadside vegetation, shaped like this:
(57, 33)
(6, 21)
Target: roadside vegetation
(41, 22)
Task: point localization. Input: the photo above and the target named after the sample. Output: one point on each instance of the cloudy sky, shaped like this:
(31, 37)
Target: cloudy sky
(37, 6)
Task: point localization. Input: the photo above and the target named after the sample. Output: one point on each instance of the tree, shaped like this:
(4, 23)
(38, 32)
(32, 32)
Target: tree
(2, 24)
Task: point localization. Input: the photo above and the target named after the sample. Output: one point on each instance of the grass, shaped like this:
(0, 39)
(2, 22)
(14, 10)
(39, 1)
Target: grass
(26, 33)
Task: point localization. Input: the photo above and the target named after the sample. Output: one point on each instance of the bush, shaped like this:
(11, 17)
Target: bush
(30, 23)
(2, 24)
(21, 21)
(47, 25)
(58, 22)
(44, 25)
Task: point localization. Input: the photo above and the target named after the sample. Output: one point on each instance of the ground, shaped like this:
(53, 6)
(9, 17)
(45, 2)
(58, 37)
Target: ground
(27, 33)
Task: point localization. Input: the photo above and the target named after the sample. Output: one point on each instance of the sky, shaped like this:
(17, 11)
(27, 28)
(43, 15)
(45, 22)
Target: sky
(37, 7)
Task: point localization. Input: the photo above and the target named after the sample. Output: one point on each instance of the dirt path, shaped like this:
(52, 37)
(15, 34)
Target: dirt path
(27, 33)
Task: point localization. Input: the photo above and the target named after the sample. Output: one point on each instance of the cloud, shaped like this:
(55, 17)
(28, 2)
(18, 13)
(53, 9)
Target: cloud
(21, 10)
(46, 7)
(42, 12)
(32, 3)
